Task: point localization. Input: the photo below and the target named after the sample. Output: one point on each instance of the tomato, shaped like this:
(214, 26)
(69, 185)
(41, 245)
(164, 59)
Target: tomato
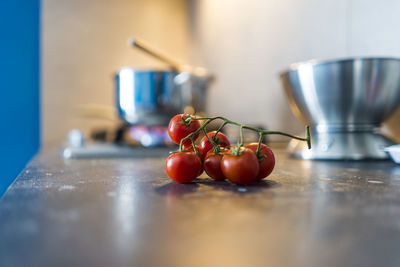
(212, 166)
(177, 130)
(241, 169)
(183, 167)
(218, 138)
(201, 155)
(267, 164)
(198, 148)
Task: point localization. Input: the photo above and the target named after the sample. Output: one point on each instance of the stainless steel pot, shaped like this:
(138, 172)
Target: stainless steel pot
(152, 97)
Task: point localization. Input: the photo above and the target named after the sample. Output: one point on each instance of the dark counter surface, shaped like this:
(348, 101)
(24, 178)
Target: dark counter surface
(126, 212)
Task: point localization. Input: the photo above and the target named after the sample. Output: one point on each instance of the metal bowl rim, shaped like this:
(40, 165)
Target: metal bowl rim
(314, 62)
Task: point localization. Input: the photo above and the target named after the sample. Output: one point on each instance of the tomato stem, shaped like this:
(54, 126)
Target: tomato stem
(209, 139)
(259, 144)
(185, 121)
(237, 151)
(241, 135)
(222, 126)
(194, 147)
(243, 126)
(308, 137)
(259, 155)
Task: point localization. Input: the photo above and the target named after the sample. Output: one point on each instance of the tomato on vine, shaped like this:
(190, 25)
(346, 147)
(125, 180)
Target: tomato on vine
(240, 165)
(183, 167)
(218, 138)
(199, 153)
(181, 126)
(212, 166)
(240, 169)
(266, 159)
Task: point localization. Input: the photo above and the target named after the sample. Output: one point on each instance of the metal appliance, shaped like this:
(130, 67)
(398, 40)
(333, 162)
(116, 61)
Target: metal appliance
(147, 96)
(345, 101)
(152, 97)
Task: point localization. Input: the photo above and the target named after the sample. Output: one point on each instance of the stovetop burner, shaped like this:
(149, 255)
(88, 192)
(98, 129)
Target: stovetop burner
(149, 136)
(137, 135)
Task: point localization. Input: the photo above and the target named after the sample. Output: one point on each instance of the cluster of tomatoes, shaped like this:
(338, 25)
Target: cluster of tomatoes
(215, 155)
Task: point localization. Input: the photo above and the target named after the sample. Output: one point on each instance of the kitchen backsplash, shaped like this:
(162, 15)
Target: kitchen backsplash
(244, 43)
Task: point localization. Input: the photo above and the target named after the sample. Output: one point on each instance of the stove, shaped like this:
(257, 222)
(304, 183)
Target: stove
(124, 141)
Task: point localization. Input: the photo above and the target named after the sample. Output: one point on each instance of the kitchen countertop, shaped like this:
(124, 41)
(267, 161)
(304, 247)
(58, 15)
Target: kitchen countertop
(126, 212)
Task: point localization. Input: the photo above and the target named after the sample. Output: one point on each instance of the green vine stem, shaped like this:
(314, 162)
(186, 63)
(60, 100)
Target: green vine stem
(242, 126)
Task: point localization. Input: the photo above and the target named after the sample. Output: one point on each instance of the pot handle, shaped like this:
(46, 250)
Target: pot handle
(134, 42)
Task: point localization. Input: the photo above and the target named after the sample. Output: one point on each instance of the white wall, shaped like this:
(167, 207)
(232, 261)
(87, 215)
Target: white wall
(374, 30)
(84, 44)
(247, 43)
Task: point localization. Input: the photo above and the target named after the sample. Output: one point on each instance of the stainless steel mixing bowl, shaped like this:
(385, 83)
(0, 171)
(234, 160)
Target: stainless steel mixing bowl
(345, 96)
(349, 92)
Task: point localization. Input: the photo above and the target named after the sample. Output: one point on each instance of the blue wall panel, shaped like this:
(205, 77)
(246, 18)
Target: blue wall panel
(19, 86)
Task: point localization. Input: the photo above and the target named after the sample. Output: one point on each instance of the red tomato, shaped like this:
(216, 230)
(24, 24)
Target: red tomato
(218, 138)
(183, 167)
(198, 148)
(177, 130)
(241, 169)
(267, 164)
(212, 166)
(202, 155)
